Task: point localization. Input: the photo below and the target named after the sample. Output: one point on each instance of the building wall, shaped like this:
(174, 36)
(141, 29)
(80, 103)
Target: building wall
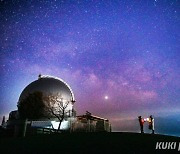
(87, 125)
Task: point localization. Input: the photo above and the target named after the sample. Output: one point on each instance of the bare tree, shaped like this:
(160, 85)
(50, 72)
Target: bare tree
(56, 107)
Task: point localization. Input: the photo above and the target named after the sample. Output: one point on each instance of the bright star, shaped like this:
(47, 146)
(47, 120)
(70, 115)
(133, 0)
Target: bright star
(106, 97)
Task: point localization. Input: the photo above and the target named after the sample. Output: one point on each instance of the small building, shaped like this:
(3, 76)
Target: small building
(91, 123)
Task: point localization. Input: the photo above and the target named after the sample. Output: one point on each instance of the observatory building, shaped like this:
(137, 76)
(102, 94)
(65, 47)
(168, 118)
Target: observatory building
(48, 103)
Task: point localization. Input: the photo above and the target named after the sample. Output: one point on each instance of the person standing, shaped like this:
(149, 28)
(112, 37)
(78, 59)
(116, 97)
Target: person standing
(151, 123)
(141, 122)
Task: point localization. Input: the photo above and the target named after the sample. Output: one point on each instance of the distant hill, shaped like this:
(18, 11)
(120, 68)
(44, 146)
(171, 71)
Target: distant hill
(87, 143)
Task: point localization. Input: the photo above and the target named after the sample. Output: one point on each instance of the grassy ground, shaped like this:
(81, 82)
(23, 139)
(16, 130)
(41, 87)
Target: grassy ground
(87, 143)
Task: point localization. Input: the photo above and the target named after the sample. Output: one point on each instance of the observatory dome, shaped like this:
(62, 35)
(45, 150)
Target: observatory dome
(48, 85)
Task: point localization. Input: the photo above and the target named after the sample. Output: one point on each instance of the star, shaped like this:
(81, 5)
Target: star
(106, 97)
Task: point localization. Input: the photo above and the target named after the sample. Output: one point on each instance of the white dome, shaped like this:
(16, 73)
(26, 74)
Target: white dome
(31, 103)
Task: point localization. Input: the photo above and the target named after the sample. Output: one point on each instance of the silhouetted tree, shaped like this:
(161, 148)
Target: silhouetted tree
(56, 107)
(32, 107)
(3, 121)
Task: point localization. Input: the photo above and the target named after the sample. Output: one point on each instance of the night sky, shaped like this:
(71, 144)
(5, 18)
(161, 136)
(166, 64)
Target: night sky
(120, 57)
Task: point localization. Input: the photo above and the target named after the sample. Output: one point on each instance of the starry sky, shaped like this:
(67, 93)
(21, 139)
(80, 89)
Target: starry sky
(121, 57)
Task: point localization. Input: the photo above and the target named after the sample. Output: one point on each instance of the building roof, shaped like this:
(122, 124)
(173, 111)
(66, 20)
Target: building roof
(91, 117)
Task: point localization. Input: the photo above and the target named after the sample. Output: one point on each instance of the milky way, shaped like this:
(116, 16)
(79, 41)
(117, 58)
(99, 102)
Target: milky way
(126, 51)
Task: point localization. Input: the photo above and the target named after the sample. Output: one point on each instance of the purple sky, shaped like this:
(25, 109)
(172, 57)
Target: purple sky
(125, 50)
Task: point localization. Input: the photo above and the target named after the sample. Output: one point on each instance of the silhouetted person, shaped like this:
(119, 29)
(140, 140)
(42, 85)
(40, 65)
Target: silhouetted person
(151, 123)
(141, 122)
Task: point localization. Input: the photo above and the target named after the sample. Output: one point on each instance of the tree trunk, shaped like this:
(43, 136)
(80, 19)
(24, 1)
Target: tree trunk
(59, 126)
